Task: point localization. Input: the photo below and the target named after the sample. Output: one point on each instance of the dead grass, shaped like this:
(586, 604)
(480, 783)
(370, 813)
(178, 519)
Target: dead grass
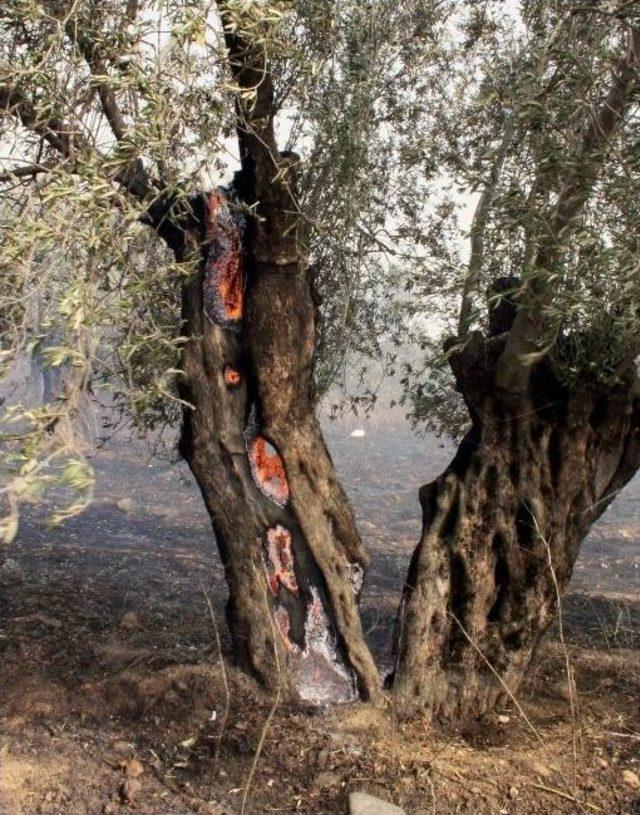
(75, 685)
(58, 746)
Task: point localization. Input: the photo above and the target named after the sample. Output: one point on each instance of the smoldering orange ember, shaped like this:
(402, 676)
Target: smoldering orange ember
(268, 470)
(280, 571)
(284, 626)
(232, 376)
(223, 285)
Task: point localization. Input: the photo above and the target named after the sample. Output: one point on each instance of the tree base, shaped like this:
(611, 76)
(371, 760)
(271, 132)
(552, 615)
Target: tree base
(502, 528)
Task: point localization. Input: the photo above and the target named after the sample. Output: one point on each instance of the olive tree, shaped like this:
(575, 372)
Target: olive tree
(543, 353)
(358, 134)
(203, 295)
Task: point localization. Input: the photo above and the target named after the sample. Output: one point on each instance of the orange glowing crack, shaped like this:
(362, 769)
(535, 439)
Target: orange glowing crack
(223, 278)
(284, 626)
(268, 470)
(280, 563)
(230, 289)
(231, 376)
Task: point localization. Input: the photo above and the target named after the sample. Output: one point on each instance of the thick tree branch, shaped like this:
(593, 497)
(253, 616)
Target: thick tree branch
(478, 225)
(512, 373)
(65, 138)
(27, 171)
(73, 145)
(267, 181)
(98, 67)
(248, 64)
(68, 141)
(62, 136)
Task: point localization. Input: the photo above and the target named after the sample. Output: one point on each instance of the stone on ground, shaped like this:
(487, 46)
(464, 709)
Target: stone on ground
(124, 504)
(129, 621)
(360, 803)
(10, 572)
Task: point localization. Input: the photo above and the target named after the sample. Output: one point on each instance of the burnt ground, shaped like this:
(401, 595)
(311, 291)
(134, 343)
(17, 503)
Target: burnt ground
(109, 666)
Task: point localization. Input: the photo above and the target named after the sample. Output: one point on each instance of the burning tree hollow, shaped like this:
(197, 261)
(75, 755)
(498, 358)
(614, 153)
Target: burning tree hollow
(264, 471)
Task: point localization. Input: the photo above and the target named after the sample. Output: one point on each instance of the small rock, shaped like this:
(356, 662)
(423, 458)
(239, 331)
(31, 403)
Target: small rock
(11, 572)
(602, 762)
(130, 788)
(108, 808)
(325, 780)
(360, 803)
(513, 792)
(503, 719)
(358, 433)
(564, 690)
(122, 747)
(631, 779)
(124, 504)
(118, 753)
(133, 768)
(129, 621)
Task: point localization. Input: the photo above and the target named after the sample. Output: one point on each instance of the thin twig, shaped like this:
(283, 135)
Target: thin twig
(568, 666)
(276, 702)
(225, 682)
(508, 690)
(566, 796)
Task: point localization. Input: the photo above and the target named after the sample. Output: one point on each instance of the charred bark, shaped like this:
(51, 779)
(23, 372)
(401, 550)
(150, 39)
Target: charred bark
(291, 551)
(502, 527)
(292, 555)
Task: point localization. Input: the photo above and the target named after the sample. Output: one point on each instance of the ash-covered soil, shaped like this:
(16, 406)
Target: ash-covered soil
(109, 664)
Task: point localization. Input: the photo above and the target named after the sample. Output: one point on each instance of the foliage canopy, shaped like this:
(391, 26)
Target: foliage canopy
(434, 141)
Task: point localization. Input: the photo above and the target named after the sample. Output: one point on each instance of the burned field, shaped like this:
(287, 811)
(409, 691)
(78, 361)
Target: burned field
(116, 697)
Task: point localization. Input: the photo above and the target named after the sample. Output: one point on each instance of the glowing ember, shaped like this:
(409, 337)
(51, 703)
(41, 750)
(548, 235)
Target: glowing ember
(284, 626)
(280, 564)
(269, 470)
(231, 376)
(267, 467)
(223, 286)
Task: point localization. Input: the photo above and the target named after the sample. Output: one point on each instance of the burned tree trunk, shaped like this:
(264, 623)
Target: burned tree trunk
(502, 527)
(292, 555)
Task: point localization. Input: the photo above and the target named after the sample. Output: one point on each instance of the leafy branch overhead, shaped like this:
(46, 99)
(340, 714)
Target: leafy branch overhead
(113, 108)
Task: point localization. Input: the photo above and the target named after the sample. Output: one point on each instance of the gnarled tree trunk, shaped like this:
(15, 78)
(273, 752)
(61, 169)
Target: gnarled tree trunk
(502, 527)
(292, 555)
